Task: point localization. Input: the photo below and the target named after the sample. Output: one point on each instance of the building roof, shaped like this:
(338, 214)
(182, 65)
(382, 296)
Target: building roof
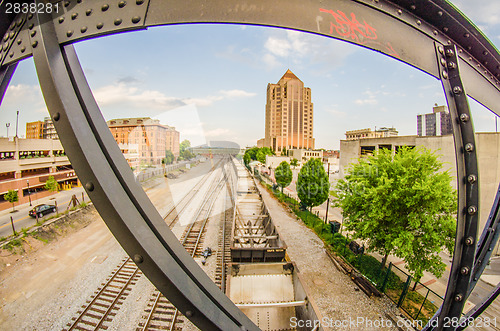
(288, 75)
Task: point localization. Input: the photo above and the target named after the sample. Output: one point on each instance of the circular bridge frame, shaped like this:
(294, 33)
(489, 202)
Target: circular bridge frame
(430, 35)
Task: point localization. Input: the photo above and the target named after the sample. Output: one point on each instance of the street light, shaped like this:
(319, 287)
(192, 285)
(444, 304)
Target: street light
(7, 126)
(29, 195)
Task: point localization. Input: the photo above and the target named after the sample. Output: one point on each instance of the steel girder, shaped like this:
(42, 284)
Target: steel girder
(407, 30)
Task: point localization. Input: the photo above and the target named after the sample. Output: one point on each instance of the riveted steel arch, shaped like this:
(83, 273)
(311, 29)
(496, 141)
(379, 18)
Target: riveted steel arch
(429, 35)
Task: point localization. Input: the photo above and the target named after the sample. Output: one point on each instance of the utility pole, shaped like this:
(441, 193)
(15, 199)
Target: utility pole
(328, 200)
(7, 126)
(17, 121)
(29, 193)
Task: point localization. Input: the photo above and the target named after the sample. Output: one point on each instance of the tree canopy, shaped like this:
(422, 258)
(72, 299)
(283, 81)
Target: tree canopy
(283, 175)
(12, 197)
(313, 186)
(51, 184)
(184, 152)
(257, 154)
(169, 157)
(401, 204)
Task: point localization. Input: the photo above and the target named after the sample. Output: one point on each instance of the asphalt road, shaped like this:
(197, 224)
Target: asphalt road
(23, 220)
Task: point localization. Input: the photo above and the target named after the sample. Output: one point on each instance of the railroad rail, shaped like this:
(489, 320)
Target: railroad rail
(98, 313)
(161, 314)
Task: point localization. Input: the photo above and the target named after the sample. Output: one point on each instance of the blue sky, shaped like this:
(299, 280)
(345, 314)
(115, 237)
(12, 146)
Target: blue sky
(209, 81)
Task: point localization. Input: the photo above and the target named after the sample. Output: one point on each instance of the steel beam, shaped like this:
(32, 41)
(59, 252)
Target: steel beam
(109, 182)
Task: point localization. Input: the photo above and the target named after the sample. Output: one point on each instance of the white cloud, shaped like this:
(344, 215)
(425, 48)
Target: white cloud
(370, 99)
(122, 94)
(298, 47)
(237, 93)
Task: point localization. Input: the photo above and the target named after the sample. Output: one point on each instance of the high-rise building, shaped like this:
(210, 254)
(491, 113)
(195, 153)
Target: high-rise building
(368, 133)
(289, 115)
(144, 140)
(437, 123)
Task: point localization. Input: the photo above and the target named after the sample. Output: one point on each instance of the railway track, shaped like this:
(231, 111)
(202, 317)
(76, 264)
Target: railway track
(176, 210)
(161, 314)
(99, 311)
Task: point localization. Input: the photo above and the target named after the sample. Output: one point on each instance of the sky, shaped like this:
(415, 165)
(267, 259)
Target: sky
(209, 81)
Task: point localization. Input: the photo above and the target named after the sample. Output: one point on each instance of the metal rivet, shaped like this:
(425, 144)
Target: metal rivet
(99, 25)
(469, 241)
(31, 26)
(464, 117)
(69, 33)
(66, 3)
(105, 7)
(452, 65)
(88, 12)
(23, 49)
(61, 19)
(121, 4)
(13, 26)
(33, 33)
(11, 54)
(78, 1)
(56, 117)
(118, 21)
(440, 13)
(445, 29)
(74, 16)
(19, 23)
(466, 35)
(459, 297)
(457, 90)
(419, 22)
(441, 49)
(138, 258)
(449, 52)
(30, 16)
(136, 19)
(139, 2)
(445, 75)
(485, 53)
(469, 147)
(435, 32)
(471, 179)
(400, 11)
(34, 44)
(89, 186)
(5, 38)
(413, 7)
(189, 313)
(12, 35)
(19, 41)
(83, 29)
(472, 210)
(443, 62)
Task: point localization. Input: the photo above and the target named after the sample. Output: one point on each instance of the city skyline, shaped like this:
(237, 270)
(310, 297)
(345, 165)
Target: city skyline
(207, 81)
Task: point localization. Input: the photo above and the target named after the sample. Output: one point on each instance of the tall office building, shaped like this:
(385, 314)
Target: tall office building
(437, 123)
(289, 115)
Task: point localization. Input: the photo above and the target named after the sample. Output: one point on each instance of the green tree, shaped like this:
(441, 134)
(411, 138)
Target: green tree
(313, 187)
(262, 152)
(169, 157)
(294, 162)
(284, 152)
(283, 175)
(184, 152)
(401, 204)
(51, 184)
(12, 197)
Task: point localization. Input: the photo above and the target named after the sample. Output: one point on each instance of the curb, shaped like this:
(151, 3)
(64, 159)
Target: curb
(49, 222)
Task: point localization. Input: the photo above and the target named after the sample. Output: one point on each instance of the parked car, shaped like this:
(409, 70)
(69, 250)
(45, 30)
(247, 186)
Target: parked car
(41, 210)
